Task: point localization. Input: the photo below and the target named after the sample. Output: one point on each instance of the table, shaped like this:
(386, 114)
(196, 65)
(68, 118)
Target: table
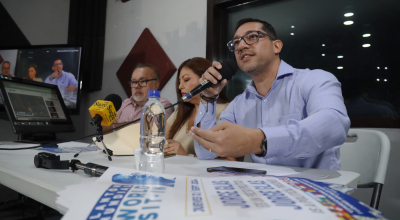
(18, 172)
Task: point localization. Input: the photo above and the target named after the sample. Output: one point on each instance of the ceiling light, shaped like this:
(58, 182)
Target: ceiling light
(323, 45)
(291, 33)
(340, 67)
(378, 68)
(349, 14)
(377, 80)
(292, 26)
(366, 45)
(323, 54)
(385, 68)
(348, 22)
(340, 56)
(366, 35)
(385, 80)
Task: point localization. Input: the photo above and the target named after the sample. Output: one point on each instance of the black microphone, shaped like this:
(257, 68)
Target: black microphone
(115, 99)
(97, 119)
(229, 68)
(58, 73)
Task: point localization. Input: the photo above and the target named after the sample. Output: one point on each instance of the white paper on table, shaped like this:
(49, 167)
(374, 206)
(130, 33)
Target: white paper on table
(129, 194)
(71, 194)
(123, 141)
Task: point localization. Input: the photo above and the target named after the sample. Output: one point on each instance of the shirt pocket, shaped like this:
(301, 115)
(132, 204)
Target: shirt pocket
(282, 121)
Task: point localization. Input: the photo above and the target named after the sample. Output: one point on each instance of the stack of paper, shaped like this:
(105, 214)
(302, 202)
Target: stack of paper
(71, 194)
(129, 194)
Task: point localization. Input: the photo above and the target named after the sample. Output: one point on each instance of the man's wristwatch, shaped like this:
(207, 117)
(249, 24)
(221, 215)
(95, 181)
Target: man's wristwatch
(264, 148)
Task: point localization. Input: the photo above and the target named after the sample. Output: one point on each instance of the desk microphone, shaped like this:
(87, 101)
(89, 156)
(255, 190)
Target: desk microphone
(89, 168)
(104, 112)
(229, 68)
(52, 161)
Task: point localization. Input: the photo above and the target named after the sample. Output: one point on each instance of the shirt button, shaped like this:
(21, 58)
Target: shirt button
(265, 123)
(265, 100)
(201, 113)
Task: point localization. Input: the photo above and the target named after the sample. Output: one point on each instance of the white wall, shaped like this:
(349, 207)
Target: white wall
(178, 26)
(41, 21)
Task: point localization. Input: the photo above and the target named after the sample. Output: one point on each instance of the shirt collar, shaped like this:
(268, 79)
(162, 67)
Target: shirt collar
(283, 70)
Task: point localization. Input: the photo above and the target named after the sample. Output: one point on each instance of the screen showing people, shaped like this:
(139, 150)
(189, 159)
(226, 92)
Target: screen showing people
(31, 103)
(53, 65)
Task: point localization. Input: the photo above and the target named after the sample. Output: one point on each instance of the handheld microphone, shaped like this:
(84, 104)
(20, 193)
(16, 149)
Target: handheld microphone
(89, 168)
(58, 73)
(104, 112)
(229, 68)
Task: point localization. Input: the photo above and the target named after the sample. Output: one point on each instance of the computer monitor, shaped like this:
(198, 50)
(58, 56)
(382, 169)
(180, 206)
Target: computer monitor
(34, 108)
(38, 63)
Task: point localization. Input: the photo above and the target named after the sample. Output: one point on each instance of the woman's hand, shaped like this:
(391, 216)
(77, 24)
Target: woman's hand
(174, 147)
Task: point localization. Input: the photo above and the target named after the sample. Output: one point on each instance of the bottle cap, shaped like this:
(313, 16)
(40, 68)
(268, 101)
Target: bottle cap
(154, 93)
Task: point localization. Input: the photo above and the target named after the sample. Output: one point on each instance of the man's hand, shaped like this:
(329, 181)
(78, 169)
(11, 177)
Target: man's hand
(229, 140)
(175, 147)
(211, 74)
(56, 74)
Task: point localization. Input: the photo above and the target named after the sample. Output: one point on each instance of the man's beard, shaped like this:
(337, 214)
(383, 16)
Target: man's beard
(139, 98)
(252, 70)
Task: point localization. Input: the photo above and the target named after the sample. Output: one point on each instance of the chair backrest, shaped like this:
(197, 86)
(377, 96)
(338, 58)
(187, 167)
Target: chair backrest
(368, 155)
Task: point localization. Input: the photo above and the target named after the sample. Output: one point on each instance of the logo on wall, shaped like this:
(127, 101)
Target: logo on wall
(146, 50)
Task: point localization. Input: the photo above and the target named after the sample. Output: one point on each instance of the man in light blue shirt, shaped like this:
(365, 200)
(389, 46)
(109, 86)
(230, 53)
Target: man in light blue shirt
(65, 81)
(286, 116)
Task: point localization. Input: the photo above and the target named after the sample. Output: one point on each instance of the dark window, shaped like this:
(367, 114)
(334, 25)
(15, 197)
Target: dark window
(361, 49)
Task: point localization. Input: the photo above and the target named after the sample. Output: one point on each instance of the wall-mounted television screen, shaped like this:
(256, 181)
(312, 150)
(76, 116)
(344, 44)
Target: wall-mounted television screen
(52, 64)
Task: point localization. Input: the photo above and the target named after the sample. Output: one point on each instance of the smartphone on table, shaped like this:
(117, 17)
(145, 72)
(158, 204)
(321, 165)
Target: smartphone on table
(235, 169)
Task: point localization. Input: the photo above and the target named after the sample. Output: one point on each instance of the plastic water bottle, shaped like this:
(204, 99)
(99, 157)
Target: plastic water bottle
(152, 134)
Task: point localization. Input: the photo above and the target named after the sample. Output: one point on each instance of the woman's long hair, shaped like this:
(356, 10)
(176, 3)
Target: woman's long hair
(34, 66)
(198, 65)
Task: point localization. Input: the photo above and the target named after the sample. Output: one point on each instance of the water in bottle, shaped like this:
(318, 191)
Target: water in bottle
(152, 134)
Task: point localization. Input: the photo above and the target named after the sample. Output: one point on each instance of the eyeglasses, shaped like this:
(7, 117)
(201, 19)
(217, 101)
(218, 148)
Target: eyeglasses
(249, 39)
(142, 83)
(58, 64)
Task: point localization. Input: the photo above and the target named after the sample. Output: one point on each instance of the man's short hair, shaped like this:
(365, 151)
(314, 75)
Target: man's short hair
(5, 62)
(267, 27)
(155, 70)
(57, 58)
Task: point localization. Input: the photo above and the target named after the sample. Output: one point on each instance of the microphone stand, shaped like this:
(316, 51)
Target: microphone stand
(99, 138)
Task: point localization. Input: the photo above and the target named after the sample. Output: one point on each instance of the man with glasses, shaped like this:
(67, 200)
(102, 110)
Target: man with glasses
(5, 69)
(286, 116)
(145, 77)
(65, 81)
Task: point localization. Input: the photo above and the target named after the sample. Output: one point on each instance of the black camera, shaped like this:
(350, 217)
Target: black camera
(50, 161)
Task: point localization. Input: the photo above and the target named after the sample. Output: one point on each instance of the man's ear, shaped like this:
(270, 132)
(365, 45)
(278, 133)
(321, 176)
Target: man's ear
(157, 84)
(277, 46)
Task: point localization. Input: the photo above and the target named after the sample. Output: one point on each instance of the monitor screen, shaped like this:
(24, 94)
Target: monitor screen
(34, 107)
(53, 64)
